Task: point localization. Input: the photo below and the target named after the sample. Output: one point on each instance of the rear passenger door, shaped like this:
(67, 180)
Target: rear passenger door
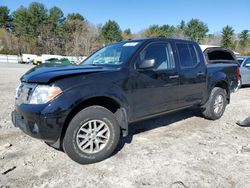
(193, 73)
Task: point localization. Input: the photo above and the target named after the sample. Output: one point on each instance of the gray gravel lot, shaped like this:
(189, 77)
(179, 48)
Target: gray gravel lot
(176, 150)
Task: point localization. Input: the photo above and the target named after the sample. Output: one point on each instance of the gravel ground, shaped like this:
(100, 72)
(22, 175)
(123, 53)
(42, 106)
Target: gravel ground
(176, 150)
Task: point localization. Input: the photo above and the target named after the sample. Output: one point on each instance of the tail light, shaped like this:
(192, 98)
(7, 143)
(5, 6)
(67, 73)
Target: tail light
(238, 73)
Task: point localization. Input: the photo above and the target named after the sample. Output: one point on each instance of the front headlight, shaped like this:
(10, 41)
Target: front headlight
(43, 94)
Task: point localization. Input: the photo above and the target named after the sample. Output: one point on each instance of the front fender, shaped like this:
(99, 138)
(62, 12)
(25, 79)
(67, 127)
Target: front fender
(82, 93)
(74, 96)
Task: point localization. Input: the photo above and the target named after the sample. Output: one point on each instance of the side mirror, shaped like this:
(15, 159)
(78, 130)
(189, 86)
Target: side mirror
(147, 64)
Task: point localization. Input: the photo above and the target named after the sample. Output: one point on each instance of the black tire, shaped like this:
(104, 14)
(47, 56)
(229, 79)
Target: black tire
(208, 110)
(70, 145)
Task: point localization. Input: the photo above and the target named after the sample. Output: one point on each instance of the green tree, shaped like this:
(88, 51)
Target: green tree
(227, 37)
(28, 22)
(75, 16)
(182, 25)
(73, 22)
(127, 34)
(167, 31)
(180, 30)
(21, 22)
(73, 30)
(5, 18)
(37, 28)
(56, 16)
(196, 30)
(38, 15)
(127, 31)
(111, 32)
(50, 38)
(152, 31)
(244, 37)
(164, 31)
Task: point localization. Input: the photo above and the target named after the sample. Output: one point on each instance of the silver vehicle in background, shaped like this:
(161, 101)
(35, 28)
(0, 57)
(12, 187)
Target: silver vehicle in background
(244, 62)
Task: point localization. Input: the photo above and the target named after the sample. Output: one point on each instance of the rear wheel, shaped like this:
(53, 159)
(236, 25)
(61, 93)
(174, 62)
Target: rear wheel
(216, 105)
(92, 135)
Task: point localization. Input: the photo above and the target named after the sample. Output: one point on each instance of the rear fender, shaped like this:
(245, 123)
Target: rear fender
(218, 79)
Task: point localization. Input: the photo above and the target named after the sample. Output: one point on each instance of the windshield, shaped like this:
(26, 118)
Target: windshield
(114, 54)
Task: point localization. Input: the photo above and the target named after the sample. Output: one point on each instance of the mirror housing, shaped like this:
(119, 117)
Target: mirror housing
(147, 64)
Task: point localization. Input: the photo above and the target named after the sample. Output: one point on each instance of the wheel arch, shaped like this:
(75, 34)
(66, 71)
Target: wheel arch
(218, 79)
(113, 105)
(224, 85)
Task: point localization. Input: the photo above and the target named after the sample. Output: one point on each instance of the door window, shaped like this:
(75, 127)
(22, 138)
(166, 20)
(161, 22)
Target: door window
(247, 62)
(162, 53)
(187, 54)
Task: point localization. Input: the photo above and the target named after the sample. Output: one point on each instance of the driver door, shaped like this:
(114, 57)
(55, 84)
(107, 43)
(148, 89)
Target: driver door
(156, 88)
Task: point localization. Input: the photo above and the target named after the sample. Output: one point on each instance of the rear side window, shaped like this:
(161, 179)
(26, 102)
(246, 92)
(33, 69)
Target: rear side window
(188, 54)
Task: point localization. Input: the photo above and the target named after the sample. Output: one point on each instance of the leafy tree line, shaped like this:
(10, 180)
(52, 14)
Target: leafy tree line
(39, 30)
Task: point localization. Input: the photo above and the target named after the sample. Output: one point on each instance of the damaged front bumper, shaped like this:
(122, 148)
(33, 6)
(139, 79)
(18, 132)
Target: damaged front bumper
(36, 124)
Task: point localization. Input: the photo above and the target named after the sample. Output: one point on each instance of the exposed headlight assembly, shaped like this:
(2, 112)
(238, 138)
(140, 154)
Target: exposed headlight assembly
(43, 94)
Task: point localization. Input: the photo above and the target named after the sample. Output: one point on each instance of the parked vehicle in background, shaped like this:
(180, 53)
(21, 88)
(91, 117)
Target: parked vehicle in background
(37, 60)
(76, 59)
(86, 108)
(51, 60)
(27, 58)
(45, 57)
(64, 61)
(244, 62)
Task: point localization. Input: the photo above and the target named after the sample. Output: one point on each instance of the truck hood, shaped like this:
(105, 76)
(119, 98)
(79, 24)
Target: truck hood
(45, 73)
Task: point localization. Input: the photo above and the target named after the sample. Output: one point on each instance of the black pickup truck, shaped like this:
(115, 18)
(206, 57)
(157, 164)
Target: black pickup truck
(84, 109)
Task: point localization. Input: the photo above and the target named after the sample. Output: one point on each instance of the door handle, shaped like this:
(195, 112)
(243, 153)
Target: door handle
(200, 74)
(173, 77)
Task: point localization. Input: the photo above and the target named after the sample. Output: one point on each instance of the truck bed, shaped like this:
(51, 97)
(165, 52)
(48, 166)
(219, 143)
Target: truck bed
(223, 67)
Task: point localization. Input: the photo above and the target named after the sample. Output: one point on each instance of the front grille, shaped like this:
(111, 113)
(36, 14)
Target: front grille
(24, 92)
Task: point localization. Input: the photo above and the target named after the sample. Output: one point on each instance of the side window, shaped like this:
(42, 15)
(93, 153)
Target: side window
(247, 62)
(188, 55)
(162, 53)
(194, 53)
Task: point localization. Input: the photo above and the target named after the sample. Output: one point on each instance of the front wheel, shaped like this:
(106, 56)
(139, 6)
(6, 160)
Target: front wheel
(216, 105)
(92, 135)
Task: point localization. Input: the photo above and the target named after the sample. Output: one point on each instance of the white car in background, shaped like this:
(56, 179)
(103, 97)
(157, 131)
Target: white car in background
(27, 58)
(244, 62)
